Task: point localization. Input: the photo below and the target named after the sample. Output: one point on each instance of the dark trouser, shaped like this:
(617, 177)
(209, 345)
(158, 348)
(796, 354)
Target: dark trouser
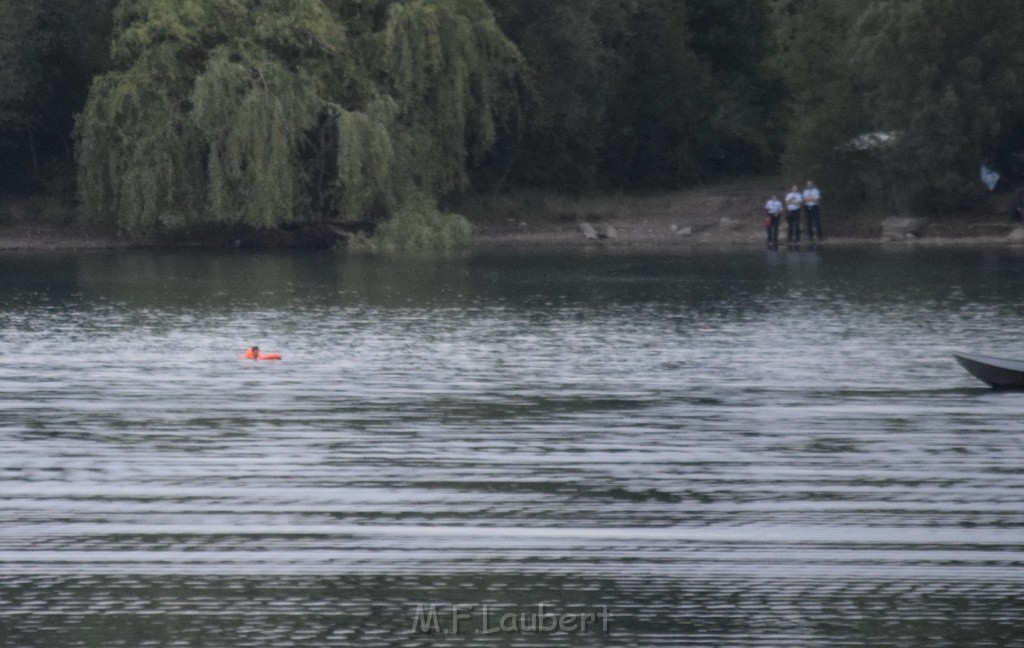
(814, 222)
(772, 225)
(793, 226)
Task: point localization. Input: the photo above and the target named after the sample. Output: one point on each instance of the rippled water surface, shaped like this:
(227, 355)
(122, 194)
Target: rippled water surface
(743, 449)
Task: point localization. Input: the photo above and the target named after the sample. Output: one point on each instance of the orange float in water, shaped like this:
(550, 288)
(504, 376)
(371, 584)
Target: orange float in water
(253, 353)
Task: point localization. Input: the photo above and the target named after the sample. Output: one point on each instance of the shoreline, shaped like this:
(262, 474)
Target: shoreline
(552, 240)
(725, 216)
(489, 243)
(58, 240)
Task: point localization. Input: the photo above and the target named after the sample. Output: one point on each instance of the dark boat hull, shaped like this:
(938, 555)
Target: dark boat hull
(999, 373)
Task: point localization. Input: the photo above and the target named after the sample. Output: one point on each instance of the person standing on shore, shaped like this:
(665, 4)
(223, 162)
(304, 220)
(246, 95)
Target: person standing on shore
(794, 200)
(812, 196)
(774, 210)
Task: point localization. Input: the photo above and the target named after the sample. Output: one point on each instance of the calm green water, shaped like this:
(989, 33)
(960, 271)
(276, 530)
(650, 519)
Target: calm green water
(744, 449)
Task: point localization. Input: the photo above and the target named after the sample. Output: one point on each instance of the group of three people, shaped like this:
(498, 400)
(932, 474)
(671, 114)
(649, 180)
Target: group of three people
(807, 201)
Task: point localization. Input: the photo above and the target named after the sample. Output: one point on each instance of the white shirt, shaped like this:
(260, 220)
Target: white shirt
(773, 206)
(812, 196)
(793, 201)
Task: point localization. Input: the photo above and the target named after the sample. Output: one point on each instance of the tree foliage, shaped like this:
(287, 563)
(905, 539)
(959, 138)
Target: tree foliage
(420, 225)
(827, 110)
(268, 111)
(948, 78)
(576, 73)
(49, 50)
(653, 93)
(732, 40)
(944, 80)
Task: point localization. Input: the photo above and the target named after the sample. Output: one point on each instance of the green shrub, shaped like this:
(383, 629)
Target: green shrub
(420, 226)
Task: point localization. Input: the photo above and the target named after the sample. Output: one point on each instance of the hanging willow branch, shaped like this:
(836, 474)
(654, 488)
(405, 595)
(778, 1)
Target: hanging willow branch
(365, 159)
(139, 158)
(455, 75)
(252, 112)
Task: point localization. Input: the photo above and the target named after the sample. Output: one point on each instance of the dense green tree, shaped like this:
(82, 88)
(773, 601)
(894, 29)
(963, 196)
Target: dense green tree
(947, 78)
(661, 108)
(698, 101)
(49, 50)
(19, 69)
(265, 111)
(655, 93)
(734, 38)
(827, 111)
(268, 111)
(941, 82)
(570, 48)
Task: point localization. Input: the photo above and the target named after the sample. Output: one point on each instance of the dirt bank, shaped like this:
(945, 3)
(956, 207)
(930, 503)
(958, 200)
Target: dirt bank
(723, 215)
(46, 237)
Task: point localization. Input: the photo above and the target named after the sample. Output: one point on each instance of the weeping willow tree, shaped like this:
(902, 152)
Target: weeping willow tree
(270, 111)
(452, 72)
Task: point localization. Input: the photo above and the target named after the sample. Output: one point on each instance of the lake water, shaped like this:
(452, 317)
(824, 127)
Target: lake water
(711, 449)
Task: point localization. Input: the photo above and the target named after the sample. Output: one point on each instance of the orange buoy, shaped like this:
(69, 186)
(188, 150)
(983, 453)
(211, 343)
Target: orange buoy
(253, 353)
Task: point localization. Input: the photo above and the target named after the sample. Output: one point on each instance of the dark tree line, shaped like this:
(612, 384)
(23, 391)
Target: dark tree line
(896, 103)
(658, 93)
(264, 111)
(49, 52)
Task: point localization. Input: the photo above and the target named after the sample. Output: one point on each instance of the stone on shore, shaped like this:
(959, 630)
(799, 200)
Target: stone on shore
(588, 231)
(1016, 236)
(895, 229)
